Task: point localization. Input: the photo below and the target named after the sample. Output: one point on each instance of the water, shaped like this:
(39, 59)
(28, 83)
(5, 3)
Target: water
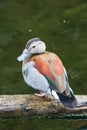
(63, 26)
(46, 124)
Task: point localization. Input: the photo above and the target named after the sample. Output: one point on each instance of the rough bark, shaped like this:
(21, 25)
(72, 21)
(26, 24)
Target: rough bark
(30, 106)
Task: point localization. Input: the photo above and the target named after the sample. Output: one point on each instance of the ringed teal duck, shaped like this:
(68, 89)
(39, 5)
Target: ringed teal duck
(44, 71)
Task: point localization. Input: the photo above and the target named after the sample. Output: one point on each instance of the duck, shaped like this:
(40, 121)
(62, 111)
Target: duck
(45, 72)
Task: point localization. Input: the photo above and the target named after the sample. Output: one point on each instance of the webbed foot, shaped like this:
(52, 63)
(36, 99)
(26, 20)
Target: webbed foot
(41, 94)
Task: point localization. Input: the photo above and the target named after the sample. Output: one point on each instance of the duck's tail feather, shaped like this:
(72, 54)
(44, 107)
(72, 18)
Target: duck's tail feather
(68, 101)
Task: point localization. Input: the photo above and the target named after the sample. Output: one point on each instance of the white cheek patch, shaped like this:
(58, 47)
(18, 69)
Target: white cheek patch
(39, 47)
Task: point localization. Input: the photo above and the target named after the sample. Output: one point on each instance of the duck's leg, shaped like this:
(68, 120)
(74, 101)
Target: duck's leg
(41, 94)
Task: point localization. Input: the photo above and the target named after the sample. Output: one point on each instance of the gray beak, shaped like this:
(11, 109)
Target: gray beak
(25, 54)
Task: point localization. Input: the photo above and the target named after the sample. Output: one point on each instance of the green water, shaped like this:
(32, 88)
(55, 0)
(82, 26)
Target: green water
(62, 24)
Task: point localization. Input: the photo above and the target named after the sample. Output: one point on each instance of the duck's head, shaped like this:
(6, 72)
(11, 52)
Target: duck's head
(33, 46)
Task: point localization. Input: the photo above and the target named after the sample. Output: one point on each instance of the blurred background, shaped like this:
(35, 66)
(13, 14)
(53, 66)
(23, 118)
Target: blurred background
(62, 25)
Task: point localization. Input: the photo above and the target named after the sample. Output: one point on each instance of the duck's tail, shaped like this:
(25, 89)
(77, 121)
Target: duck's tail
(68, 101)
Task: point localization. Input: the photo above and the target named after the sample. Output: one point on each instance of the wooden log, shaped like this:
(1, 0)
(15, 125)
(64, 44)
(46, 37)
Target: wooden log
(31, 106)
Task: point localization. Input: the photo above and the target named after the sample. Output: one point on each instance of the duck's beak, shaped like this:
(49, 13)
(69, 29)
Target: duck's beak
(25, 54)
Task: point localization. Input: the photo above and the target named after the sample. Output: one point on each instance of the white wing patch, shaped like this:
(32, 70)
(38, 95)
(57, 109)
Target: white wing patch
(55, 95)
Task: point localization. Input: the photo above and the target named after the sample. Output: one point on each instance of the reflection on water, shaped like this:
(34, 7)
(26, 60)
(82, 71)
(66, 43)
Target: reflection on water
(63, 26)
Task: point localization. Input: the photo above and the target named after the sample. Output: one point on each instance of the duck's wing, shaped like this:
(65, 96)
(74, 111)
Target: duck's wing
(52, 68)
(64, 92)
(56, 75)
(59, 74)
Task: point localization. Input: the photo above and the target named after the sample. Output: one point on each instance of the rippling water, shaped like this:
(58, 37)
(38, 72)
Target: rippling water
(63, 26)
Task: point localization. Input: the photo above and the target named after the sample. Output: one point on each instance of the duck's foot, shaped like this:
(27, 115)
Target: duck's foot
(41, 94)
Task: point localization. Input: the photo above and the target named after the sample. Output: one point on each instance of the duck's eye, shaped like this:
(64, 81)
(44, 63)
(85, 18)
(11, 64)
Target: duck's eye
(33, 47)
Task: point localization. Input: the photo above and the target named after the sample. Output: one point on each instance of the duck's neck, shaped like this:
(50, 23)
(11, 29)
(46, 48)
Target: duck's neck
(27, 59)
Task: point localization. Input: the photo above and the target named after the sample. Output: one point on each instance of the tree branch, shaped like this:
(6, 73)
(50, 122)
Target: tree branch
(30, 106)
